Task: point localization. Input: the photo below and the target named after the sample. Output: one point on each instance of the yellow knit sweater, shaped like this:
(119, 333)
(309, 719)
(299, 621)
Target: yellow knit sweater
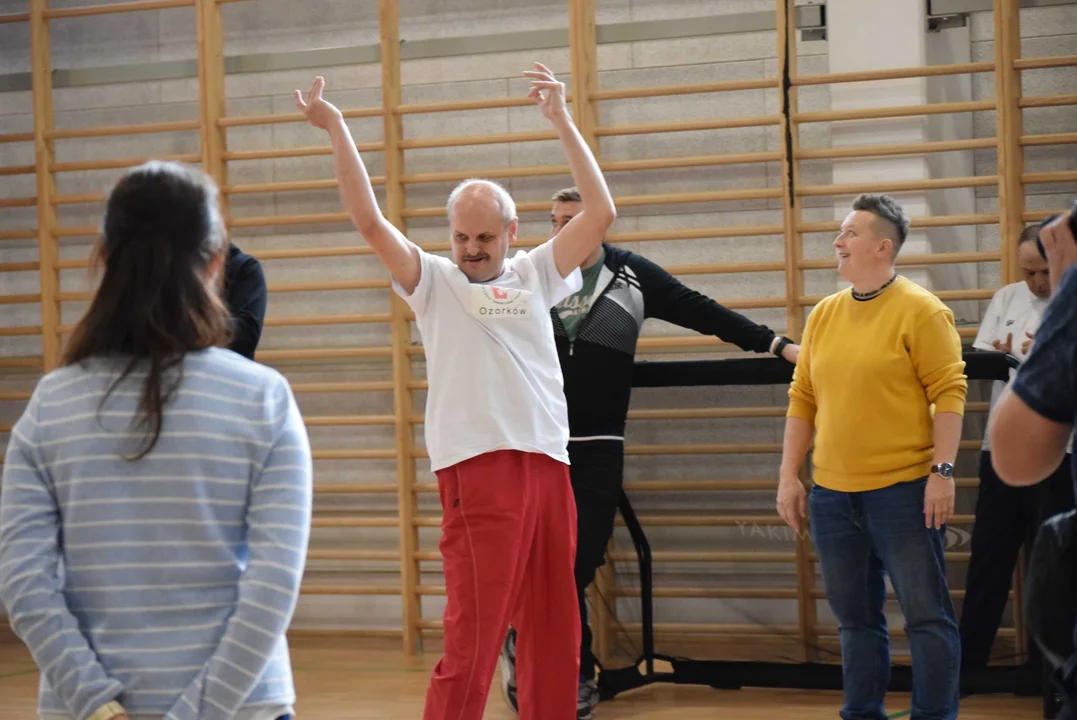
(867, 377)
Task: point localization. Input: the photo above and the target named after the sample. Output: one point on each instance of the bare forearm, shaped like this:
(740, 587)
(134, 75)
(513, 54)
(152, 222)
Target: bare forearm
(795, 444)
(947, 436)
(594, 194)
(356, 190)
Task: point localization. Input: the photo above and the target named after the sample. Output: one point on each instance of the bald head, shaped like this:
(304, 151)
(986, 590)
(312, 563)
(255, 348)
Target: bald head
(477, 192)
(482, 225)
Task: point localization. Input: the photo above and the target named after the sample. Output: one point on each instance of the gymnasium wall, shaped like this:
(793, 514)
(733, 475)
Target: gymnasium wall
(362, 590)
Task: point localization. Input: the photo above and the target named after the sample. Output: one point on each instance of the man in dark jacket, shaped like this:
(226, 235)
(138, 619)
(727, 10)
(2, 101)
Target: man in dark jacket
(596, 332)
(246, 296)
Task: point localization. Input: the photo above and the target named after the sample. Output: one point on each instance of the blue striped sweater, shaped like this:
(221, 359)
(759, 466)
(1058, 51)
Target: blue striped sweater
(165, 583)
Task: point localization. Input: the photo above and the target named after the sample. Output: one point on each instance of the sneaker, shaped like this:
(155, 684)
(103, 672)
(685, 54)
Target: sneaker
(508, 670)
(586, 699)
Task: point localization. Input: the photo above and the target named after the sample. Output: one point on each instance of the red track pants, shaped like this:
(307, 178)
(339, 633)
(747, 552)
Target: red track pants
(508, 540)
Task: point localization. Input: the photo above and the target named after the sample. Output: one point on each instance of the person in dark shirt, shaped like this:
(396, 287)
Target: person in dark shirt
(596, 331)
(246, 296)
(1031, 425)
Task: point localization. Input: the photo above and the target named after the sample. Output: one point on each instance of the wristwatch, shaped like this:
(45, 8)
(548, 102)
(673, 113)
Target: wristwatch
(782, 343)
(108, 711)
(945, 470)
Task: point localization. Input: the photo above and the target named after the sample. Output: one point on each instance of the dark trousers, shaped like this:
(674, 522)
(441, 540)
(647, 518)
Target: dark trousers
(1006, 518)
(597, 472)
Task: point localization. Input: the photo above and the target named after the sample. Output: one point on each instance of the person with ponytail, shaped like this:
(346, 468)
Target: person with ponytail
(156, 498)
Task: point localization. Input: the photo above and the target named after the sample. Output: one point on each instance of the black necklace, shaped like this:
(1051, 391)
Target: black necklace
(873, 293)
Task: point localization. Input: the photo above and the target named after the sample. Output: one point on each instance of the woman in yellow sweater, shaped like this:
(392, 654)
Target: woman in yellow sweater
(880, 383)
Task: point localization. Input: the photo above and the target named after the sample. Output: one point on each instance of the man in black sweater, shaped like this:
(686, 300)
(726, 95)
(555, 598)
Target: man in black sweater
(246, 297)
(596, 332)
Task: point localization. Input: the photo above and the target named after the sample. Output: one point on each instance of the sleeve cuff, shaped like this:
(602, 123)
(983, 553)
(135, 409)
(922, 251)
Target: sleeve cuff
(801, 409)
(950, 404)
(1036, 404)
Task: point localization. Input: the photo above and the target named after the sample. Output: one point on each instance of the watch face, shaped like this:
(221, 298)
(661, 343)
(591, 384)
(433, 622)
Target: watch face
(945, 469)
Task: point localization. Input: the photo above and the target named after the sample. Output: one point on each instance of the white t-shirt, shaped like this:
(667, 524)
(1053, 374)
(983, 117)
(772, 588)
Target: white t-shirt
(1013, 310)
(494, 379)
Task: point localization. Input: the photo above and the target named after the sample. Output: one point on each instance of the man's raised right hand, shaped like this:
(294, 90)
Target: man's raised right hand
(319, 112)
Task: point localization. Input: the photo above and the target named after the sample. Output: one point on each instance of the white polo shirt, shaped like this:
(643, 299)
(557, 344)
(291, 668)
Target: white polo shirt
(1013, 310)
(494, 379)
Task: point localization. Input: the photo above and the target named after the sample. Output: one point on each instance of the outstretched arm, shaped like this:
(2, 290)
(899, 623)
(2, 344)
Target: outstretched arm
(586, 230)
(399, 255)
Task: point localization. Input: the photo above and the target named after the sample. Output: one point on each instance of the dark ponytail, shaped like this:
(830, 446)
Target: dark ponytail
(156, 301)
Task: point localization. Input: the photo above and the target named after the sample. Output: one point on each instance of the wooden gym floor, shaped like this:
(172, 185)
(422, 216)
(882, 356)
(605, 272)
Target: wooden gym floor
(369, 679)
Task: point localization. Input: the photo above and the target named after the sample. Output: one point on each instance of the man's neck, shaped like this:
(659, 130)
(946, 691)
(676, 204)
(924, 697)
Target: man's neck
(874, 280)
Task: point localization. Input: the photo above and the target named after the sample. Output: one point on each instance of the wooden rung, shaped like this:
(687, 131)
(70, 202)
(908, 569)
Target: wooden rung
(17, 170)
(1045, 62)
(354, 488)
(694, 233)
(305, 320)
(358, 454)
(892, 112)
(14, 396)
(308, 253)
(864, 151)
(427, 556)
(16, 137)
(291, 186)
(78, 199)
(725, 629)
(353, 522)
(20, 330)
(894, 73)
(904, 260)
(705, 449)
(713, 593)
(687, 126)
(429, 589)
(1040, 101)
(819, 594)
(1041, 215)
(116, 163)
(106, 131)
(326, 285)
(685, 89)
(706, 413)
(726, 268)
(20, 299)
(917, 222)
(710, 557)
(468, 140)
(1049, 139)
(310, 589)
(325, 353)
(341, 387)
(18, 202)
(1049, 177)
(492, 173)
(14, 18)
(342, 420)
(462, 105)
(898, 186)
(239, 155)
(123, 7)
(76, 231)
(247, 120)
(21, 361)
(18, 234)
(20, 266)
(315, 554)
(273, 220)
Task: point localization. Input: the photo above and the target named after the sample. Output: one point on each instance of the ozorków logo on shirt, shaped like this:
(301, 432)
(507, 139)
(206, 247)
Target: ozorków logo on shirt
(492, 301)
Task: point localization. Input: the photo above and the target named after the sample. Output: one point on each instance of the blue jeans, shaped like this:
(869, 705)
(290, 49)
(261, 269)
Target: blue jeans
(859, 536)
